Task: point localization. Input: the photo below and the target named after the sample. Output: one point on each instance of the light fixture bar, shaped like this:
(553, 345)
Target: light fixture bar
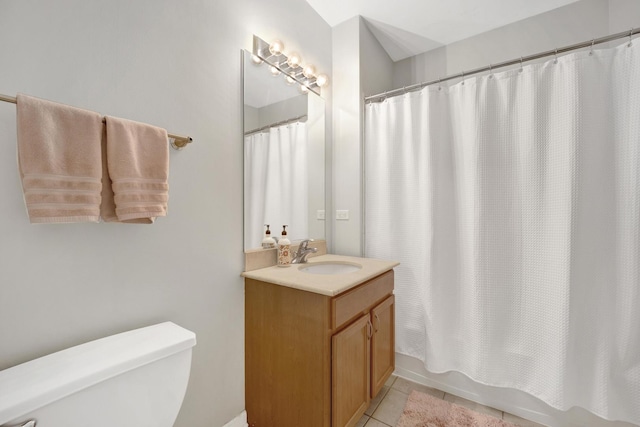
(280, 62)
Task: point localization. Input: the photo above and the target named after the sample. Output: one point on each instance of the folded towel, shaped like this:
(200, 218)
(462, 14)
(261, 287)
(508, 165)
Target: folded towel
(138, 165)
(59, 160)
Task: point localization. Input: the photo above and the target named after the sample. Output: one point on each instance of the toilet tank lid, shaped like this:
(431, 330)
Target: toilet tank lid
(31, 385)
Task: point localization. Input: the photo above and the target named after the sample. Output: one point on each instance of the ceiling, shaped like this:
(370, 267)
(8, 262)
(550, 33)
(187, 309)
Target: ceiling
(406, 28)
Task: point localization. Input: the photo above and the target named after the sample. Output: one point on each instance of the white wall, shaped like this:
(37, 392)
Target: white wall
(175, 64)
(346, 136)
(360, 66)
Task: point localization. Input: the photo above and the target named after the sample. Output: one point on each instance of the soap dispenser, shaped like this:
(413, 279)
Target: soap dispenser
(284, 249)
(268, 242)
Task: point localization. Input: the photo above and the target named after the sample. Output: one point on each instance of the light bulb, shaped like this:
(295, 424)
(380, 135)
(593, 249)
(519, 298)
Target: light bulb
(294, 60)
(274, 71)
(322, 80)
(309, 71)
(304, 89)
(256, 59)
(276, 47)
(290, 80)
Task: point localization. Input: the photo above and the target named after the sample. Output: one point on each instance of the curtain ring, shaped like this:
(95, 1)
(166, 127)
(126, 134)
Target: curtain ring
(490, 71)
(439, 81)
(592, 43)
(555, 61)
(630, 34)
(521, 66)
(463, 78)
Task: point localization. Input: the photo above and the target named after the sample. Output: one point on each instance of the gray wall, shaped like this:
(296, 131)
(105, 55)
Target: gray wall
(577, 22)
(175, 64)
(251, 118)
(283, 110)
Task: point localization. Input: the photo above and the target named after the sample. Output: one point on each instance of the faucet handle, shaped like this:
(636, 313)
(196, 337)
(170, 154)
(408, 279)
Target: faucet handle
(304, 244)
(303, 251)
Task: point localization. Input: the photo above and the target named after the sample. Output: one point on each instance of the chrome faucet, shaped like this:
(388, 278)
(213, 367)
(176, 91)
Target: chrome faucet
(300, 257)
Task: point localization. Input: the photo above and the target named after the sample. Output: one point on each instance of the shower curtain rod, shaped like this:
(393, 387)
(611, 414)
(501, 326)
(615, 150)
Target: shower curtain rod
(382, 96)
(284, 122)
(177, 143)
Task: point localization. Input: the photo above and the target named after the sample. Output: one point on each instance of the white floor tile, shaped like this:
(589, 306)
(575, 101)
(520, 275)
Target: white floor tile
(391, 407)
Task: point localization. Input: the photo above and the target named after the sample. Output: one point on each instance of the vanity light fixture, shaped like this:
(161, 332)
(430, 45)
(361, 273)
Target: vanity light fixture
(291, 65)
(276, 48)
(294, 60)
(322, 80)
(309, 71)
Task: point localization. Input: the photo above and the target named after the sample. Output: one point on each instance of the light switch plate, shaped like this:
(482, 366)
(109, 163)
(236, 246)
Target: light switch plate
(342, 214)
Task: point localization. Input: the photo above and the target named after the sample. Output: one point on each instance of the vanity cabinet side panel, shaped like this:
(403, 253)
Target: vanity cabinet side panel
(287, 356)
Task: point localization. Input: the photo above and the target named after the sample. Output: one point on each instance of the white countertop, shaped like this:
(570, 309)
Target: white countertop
(325, 284)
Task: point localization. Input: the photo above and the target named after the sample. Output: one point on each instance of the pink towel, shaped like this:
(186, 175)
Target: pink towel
(138, 167)
(60, 161)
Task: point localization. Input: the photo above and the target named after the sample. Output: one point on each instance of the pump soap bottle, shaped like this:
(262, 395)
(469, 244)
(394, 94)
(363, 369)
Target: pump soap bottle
(268, 242)
(284, 249)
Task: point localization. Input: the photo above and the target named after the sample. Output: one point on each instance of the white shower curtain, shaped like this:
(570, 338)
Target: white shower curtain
(512, 202)
(276, 184)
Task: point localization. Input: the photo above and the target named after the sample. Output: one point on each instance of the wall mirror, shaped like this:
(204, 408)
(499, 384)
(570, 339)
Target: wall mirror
(284, 151)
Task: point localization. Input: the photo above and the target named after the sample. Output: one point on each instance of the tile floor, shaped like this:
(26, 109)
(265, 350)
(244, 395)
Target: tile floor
(386, 408)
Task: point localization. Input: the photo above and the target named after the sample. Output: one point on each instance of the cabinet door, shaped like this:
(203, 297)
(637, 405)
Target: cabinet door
(382, 344)
(350, 372)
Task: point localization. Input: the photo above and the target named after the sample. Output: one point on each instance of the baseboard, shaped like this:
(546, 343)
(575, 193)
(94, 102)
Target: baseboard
(239, 421)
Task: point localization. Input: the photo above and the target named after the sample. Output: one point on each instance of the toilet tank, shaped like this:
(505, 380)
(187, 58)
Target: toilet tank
(135, 378)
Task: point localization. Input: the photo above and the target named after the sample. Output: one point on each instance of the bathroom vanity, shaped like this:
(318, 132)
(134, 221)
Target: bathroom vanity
(319, 340)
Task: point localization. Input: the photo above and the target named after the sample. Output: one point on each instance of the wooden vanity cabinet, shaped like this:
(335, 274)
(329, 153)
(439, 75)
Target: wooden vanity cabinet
(313, 360)
(382, 344)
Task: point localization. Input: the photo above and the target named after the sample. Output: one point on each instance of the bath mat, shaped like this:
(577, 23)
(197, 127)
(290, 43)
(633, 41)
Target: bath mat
(423, 410)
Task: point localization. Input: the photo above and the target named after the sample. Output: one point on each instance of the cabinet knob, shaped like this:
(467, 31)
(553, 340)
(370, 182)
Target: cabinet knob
(377, 322)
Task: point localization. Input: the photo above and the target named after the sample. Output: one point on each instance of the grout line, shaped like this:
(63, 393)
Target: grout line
(395, 378)
(384, 396)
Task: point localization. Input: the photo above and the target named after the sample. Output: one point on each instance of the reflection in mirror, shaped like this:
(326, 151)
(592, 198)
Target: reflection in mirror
(283, 157)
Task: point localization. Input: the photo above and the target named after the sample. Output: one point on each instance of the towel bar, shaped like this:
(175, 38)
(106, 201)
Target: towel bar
(178, 143)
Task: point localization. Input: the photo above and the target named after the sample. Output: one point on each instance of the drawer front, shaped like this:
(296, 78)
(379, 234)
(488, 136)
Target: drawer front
(361, 299)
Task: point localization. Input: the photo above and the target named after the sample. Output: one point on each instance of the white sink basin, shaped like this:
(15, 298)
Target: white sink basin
(330, 268)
